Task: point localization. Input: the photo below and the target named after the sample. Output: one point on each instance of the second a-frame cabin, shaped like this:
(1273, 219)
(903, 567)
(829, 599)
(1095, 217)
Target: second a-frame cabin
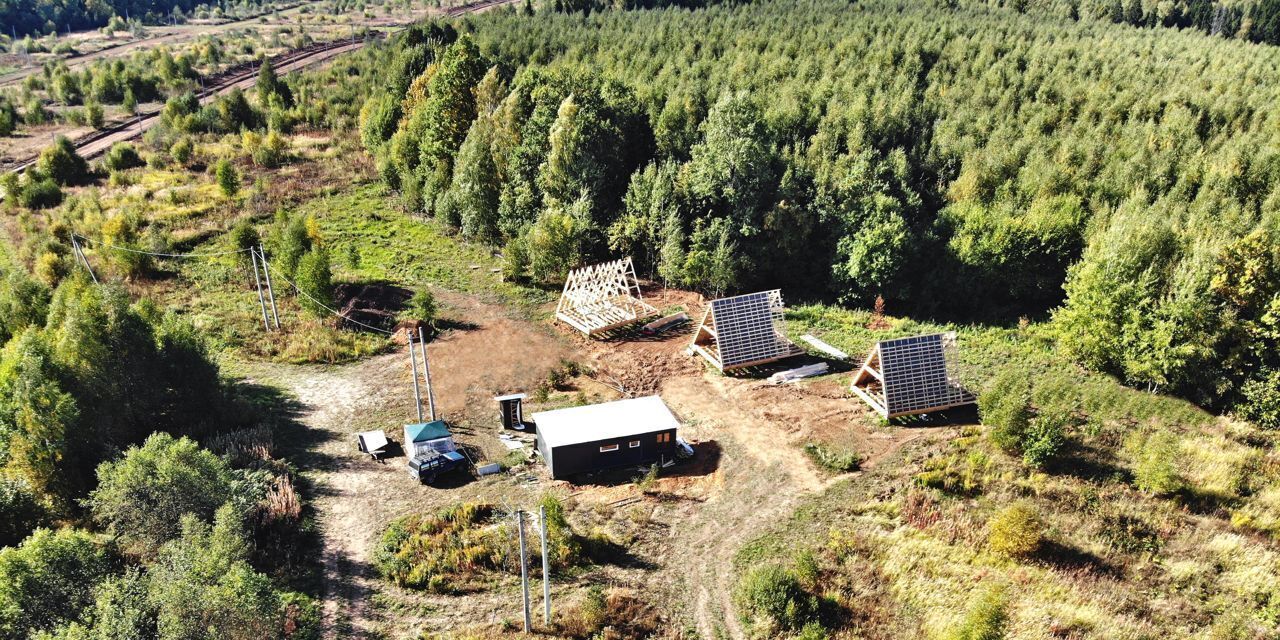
(743, 331)
(907, 376)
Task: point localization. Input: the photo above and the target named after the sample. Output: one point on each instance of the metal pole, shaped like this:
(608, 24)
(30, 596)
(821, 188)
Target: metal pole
(546, 567)
(80, 252)
(257, 279)
(266, 270)
(524, 570)
(417, 397)
(426, 369)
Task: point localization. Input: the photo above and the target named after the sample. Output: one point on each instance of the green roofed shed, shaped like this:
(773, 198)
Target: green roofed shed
(424, 431)
(423, 436)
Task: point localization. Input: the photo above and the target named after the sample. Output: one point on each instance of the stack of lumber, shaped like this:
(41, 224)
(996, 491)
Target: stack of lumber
(791, 375)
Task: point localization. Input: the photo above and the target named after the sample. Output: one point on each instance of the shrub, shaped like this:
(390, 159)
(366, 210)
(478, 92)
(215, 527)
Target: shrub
(20, 512)
(1015, 531)
(315, 280)
(49, 579)
(182, 150)
(771, 594)
(203, 578)
(8, 119)
(1153, 455)
(244, 236)
(422, 306)
(515, 260)
(228, 178)
(93, 115)
(1005, 407)
(40, 194)
(122, 156)
(142, 496)
(1261, 400)
(1044, 437)
(62, 164)
(985, 619)
(271, 151)
(832, 460)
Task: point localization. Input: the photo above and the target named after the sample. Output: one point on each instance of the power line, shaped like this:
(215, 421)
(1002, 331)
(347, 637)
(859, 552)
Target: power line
(163, 255)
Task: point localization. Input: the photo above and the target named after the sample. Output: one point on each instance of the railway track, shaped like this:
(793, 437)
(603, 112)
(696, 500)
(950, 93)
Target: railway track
(241, 76)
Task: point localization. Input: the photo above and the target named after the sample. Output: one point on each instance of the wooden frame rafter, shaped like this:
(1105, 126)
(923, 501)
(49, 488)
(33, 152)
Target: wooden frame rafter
(603, 297)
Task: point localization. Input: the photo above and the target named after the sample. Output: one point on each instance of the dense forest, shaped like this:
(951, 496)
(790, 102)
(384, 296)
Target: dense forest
(1251, 21)
(960, 163)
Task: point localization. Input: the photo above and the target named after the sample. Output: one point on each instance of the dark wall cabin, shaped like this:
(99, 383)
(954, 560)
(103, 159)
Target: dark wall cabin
(634, 432)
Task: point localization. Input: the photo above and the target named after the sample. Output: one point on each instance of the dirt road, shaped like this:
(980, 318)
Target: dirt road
(354, 497)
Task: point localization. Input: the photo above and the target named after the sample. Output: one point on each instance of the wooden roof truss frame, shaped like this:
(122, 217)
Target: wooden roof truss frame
(602, 297)
(743, 331)
(914, 375)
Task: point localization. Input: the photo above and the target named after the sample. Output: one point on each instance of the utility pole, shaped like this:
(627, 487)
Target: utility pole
(413, 362)
(85, 261)
(266, 270)
(546, 564)
(426, 369)
(524, 570)
(257, 279)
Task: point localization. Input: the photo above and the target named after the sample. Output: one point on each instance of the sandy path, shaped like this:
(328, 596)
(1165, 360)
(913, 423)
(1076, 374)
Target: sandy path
(345, 484)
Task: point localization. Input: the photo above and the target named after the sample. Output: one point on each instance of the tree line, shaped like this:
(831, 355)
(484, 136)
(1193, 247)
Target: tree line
(35, 17)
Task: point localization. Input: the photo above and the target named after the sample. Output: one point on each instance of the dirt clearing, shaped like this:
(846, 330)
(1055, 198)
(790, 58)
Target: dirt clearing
(683, 531)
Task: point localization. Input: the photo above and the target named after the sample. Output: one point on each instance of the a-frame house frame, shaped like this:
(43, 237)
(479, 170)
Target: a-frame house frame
(603, 297)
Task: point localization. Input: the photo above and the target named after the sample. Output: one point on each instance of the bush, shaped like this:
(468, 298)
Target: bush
(270, 152)
(93, 115)
(62, 164)
(40, 194)
(143, 496)
(182, 150)
(422, 306)
(832, 460)
(772, 595)
(1016, 531)
(20, 512)
(985, 619)
(1044, 437)
(1005, 407)
(204, 578)
(49, 579)
(315, 280)
(228, 178)
(515, 260)
(1261, 400)
(122, 156)
(1154, 455)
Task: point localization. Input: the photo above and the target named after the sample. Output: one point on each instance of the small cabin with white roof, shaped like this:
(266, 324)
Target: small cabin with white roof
(633, 432)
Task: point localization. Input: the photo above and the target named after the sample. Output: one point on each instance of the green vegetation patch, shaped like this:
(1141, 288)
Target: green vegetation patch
(374, 240)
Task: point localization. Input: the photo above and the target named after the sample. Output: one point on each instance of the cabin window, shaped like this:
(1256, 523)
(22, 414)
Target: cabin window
(634, 444)
(664, 437)
(608, 447)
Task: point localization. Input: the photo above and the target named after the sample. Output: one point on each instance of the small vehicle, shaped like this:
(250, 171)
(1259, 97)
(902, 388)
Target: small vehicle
(426, 467)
